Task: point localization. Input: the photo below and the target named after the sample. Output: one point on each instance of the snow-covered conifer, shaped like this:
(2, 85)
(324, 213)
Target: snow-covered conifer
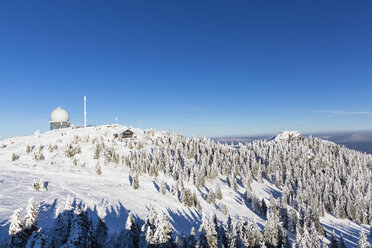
(334, 240)
(163, 188)
(191, 242)
(35, 185)
(98, 169)
(362, 241)
(135, 183)
(42, 185)
(163, 233)
(16, 223)
(341, 242)
(218, 192)
(32, 213)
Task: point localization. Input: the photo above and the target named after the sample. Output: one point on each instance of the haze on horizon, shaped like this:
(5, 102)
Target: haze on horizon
(208, 68)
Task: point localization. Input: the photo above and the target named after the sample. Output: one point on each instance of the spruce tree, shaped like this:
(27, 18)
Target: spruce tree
(32, 213)
(79, 232)
(341, 242)
(314, 236)
(17, 237)
(191, 242)
(163, 233)
(334, 240)
(363, 242)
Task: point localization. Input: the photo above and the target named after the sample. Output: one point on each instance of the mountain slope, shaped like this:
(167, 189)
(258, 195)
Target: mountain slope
(93, 168)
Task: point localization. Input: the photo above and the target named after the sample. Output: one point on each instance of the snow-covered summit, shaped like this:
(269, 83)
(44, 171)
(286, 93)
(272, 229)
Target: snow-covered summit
(288, 136)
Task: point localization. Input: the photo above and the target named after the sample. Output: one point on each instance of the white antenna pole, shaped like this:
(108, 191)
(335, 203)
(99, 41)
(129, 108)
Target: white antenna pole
(85, 111)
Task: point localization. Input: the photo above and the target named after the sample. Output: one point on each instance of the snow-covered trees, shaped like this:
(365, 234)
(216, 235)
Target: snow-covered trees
(98, 169)
(163, 233)
(32, 213)
(163, 188)
(271, 235)
(17, 236)
(39, 186)
(130, 236)
(334, 240)
(20, 229)
(157, 231)
(14, 157)
(135, 183)
(16, 222)
(312, 177)
(72, 149)
(363, 242)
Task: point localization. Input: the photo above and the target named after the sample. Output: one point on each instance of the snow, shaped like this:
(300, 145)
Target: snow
(111, 190)
(288, 136)
(111, 194)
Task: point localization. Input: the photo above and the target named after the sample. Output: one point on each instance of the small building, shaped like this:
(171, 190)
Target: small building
(59, 118)
(126, 134)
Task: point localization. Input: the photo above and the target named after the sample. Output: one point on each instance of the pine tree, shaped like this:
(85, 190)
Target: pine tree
(16, 223)
(271, 228)
(218, 192)
(191, 242)
(32, 213)
(305, 239)
(324, 244)
(79, 232)
(42, 185)
(17, 235)
(163, 233)
(363, 242)
(314, 236)
(341, 242)
(334, 241)
(35, 185)
(135, 184)
(98, 169)
(63, 224)
(100, 233)
(150, 237)
(130, 235)
(148, 229)
(203, 240)
(163, 188)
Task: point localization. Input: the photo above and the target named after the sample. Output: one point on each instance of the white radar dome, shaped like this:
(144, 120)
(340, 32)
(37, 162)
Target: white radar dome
(59, 115)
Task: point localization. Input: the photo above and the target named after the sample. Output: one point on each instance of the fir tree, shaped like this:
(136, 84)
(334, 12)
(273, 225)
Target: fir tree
(314, 237)
(191, 242)
(218, 192)
(130, 235)
(98, 169)
(163, 233)
(362, 241)
(17, 236)
(32, 213)
(163, 188)
(334, 241)
(79, 230)
(341, 242)
(271, 229)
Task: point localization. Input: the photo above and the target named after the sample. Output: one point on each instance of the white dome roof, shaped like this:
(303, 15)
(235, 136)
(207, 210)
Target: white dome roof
(59, 115)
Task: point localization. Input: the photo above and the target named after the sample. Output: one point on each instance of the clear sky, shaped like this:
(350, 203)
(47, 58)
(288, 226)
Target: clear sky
(209, 68)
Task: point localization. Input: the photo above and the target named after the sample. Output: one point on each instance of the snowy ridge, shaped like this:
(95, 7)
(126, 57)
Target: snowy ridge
(86, 174)
(288, 136)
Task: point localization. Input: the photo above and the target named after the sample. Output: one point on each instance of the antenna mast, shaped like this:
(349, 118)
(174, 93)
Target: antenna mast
(85, 111)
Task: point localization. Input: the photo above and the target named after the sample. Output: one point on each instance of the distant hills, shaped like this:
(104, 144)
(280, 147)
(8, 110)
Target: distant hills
(359, 140)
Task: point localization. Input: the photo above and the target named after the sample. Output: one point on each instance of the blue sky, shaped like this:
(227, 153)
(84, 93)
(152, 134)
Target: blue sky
(213, 68)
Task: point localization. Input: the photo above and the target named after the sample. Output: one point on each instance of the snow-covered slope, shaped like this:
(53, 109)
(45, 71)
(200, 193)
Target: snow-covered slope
(91, 167)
